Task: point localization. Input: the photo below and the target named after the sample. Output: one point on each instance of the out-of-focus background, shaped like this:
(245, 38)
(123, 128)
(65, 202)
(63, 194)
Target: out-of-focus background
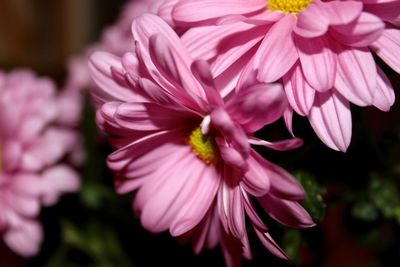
(354, 197)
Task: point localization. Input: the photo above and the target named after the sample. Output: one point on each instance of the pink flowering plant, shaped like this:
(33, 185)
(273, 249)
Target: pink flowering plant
(187, 150)
(32, 146)
(201, 132)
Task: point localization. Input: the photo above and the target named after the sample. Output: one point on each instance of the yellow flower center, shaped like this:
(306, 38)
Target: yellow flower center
(288, 6)
(202, 146)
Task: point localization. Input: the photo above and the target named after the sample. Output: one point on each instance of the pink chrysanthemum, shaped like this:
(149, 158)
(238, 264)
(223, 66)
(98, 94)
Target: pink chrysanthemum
(31, 147)
(186, 150)
(321, 50)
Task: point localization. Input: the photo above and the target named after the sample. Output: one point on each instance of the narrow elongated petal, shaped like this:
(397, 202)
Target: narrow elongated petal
(202, 196)
(318, 62)
(101, 65)
(148, 116)
(356, 76)
(387, 47)
(366, 29)
(205, 42)
(306, 25)
(198, 10)
(299, 93)
(283, 184)
(330, 118)
(255, 180)
(289, 213)
(384, 95)
(282, 145)
(277, 52)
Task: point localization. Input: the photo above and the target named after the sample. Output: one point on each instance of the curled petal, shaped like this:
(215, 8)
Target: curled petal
(257, 106)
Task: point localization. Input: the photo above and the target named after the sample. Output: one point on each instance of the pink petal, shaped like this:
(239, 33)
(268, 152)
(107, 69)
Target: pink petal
(257, 106)
(202, 195)
(282, 145)
(56, 181)
(356, 76)
(318, 62)
(288, 118)
(25, 239)
(299, 93)
(255, 180)
(101, 65)
(169, 193)
(195, 10)
(205, 42)
(386, 10)
(384, 95)
(235, 46)
(201, 70)
(306, 25)
(283, 184)
(11, 154)
(277, 52)
(149, 117)
(342, 12)
(331, 120)
(289, 213)
(231, 210)
(271, 245)
(387, 47)
(366, 29)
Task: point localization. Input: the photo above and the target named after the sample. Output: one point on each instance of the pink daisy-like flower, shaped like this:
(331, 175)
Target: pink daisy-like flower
(186, 150)
(31, 147)
(321, 50)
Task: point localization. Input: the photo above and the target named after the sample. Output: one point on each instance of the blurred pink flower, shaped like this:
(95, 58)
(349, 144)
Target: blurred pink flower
(116, 39)
(187, 150)
(321, 50)
(31, 147)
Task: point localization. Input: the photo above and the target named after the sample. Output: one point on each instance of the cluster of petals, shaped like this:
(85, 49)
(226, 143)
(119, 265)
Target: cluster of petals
(158, 106)
(115, 38)
(322, 52)
(33, 144)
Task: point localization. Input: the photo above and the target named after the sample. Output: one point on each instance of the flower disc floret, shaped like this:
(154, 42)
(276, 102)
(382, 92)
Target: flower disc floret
(288, 6)
(202, 146)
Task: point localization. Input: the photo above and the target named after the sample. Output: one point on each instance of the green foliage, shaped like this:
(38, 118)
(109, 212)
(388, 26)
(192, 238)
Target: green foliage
(313, 201)
(291, 244)
(380, 198)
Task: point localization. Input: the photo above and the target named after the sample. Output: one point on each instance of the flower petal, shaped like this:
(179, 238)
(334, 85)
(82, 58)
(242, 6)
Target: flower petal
(318, 62)
(299, 93)
(384, 95)
(289, 213)
(198, 10)
(387, 47)
(330, 118)
(277, 52)
(356, 76)
(366, 29)
(257, 106)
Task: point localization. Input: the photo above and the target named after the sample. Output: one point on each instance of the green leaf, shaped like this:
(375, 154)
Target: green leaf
(313, 201)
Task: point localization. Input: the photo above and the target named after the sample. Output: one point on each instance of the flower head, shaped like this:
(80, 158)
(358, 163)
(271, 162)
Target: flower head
(322, 51)
(32, 145)
(187, 150)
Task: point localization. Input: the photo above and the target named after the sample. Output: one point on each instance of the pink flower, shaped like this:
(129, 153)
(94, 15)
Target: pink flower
(186, 150)
(320, 49)
(31, 147)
